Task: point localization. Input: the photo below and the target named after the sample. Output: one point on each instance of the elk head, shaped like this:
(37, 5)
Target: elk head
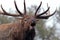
(28, 21)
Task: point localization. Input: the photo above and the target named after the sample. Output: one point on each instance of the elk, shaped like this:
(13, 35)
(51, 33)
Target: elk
(24, 28)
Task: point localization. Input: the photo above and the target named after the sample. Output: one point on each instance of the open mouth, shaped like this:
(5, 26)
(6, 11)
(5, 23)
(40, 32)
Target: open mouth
(33, 24)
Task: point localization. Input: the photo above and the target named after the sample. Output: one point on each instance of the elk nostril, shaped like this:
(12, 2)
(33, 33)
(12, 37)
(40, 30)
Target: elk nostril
(33, 24)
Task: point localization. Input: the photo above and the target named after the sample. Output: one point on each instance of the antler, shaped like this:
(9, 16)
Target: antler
(24, 7)
(38, 8)
(17, 8)
(15, 15)
(5, 13)
(44, 12)
(48, 13)
(44, 17)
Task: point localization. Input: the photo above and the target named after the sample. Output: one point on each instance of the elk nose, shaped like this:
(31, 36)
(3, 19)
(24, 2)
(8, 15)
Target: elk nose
(33, 23)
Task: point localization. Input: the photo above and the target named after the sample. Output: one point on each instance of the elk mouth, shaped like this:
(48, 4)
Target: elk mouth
(33, 24)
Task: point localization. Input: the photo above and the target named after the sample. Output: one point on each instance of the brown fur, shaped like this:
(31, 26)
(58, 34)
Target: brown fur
(16, 30)
(11, 31)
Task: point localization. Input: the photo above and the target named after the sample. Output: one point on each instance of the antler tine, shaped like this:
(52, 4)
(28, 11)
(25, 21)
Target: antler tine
(45, 17)
(38, 8)
(44, 12)
(24, 7)
(3, 10)
(5, 13)
(48, 11)
(17, 8)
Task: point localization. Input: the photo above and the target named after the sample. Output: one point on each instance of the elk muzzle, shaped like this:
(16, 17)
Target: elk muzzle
(33, 23)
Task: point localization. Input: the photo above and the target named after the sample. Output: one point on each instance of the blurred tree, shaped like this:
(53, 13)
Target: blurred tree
(58, 20)
(58, 15)
(5, 19)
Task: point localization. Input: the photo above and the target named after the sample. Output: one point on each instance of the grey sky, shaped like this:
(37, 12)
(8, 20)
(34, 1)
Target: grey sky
(10, 4)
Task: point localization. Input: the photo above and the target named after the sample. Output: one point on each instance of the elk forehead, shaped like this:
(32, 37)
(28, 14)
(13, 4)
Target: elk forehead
(29, 17)
(29, 20)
